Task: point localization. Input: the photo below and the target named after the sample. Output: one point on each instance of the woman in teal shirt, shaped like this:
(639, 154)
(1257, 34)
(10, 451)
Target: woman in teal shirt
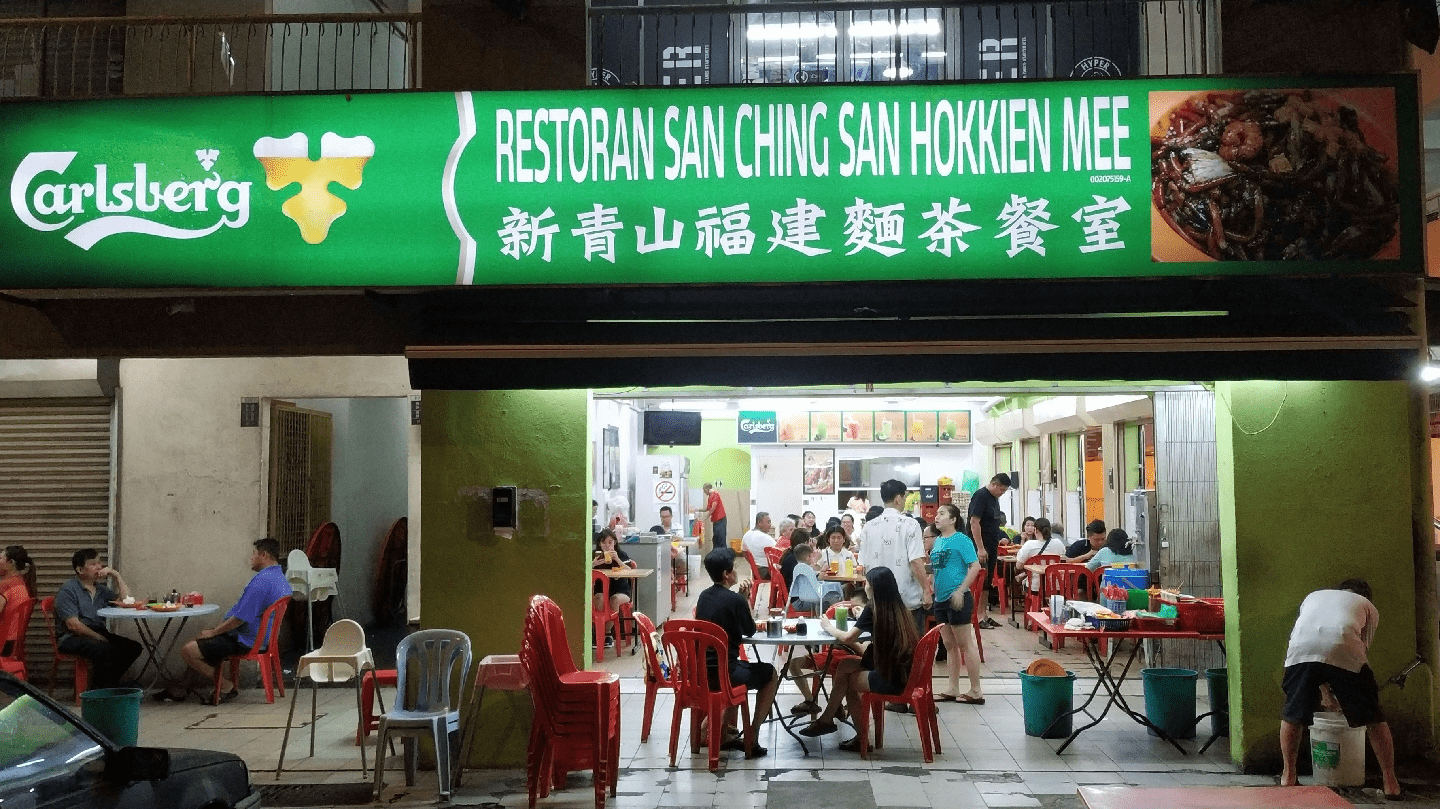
(956, 565)
(1118, 550)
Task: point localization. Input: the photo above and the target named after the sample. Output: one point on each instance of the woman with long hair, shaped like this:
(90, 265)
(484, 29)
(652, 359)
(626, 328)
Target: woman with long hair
(956, 565)
(884, 666)
(17, 581)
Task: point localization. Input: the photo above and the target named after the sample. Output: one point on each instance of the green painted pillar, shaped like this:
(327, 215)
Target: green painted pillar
(479, 581)
(1319, 482)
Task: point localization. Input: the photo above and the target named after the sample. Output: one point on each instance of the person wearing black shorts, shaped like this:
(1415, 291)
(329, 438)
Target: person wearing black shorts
(730, 611)
(1326, 667)
(983, 520)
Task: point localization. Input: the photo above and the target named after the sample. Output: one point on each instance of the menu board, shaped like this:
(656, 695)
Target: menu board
(954, 426)
(920, 426)
(859, 426)
(825, 426)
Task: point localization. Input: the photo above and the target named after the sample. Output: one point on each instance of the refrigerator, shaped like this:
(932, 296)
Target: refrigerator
(662, 480)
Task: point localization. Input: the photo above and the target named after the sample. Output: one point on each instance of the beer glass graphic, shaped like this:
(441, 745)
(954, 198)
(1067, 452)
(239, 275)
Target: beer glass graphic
(287, 160)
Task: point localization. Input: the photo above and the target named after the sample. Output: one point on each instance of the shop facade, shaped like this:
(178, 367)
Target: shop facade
(1322, 467)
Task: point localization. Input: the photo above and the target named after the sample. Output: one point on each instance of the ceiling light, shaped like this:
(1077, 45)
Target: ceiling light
(1430, 374)
(903, 72)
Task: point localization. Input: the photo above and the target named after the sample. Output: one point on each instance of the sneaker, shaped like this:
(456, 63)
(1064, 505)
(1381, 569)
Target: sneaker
(896, 707)
(609, 641)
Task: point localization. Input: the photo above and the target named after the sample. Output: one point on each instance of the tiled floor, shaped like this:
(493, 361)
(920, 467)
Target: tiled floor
(986, 759)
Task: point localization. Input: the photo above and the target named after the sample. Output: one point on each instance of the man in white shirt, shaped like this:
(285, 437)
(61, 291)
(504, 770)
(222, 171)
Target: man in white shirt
(893, 540)
(756, 540)
(1326, 663)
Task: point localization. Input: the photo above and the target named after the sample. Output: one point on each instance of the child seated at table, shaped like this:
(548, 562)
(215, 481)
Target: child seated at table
(805, 590)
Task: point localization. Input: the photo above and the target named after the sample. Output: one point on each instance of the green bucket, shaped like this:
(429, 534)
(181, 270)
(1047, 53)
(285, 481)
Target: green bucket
(1170, 701)
(114, 712)
(1218, 683)
(1045, 700)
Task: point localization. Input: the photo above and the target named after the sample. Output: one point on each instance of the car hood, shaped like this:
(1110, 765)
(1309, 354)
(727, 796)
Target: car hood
(182, 760)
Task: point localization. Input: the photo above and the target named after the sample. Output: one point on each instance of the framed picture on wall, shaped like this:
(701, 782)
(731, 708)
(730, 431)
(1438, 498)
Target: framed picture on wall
(610, 459)
(819, 471)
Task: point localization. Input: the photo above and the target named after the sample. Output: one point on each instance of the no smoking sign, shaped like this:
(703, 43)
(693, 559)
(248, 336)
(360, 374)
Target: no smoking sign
(665, 491)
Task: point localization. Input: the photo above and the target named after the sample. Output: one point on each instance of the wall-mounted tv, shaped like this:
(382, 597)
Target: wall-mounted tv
(672, 428)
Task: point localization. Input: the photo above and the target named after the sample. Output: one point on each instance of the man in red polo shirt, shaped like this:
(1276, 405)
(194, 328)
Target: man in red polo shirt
(715, 511)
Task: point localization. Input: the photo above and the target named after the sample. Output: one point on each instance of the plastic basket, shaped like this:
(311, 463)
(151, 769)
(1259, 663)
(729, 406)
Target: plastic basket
(1109, 624)
(1116, 605)
(1202, 615)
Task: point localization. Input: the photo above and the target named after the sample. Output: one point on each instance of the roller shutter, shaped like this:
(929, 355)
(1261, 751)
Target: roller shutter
(56, 469)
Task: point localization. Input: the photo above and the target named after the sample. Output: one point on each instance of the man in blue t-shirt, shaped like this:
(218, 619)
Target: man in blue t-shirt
(238, 632)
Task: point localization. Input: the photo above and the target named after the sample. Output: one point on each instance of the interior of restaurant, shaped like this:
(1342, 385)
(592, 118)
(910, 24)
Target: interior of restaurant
(1076, 454)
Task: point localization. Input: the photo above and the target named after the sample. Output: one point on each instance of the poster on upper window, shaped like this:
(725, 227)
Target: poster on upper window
(1125, 177)
(819, 471)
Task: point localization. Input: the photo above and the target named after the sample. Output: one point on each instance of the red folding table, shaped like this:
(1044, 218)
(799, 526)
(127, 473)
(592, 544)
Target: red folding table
(1090, 641)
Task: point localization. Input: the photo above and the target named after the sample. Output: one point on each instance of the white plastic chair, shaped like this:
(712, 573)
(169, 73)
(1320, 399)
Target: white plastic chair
(434, 654)
(311, 584)
(343, 656)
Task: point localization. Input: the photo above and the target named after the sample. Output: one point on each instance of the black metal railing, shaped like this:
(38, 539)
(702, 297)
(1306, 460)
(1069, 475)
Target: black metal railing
(96, 57)
(914, 40)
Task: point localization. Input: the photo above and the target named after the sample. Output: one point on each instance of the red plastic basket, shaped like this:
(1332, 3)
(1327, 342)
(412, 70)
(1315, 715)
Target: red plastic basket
(1202, 615)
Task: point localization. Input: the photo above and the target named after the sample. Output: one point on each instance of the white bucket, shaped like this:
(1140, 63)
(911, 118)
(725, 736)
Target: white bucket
(1337, 751)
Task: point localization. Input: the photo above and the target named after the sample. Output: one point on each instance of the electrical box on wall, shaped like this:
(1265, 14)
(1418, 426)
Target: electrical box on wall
(504, 508)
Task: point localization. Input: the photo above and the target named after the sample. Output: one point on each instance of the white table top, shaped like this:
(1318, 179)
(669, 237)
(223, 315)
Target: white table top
(813, 635)
(150, 615)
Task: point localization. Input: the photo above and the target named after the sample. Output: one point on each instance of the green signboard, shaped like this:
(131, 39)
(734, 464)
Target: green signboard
(1116, 178)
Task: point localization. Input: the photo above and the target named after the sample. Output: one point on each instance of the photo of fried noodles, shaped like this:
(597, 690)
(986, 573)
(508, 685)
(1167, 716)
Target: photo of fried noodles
(1273, 175)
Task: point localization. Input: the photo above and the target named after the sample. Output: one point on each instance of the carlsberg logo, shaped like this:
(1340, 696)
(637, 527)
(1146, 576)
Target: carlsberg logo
(46, 200)
(752, 426)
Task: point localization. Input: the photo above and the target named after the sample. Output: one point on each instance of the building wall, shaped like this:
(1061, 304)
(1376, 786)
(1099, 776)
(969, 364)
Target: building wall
(1320, 482)
(480, 581)
(192, 481)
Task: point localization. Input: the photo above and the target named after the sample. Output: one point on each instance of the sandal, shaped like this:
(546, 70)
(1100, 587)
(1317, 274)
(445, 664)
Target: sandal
(818, 728)
(943, 697)
(969, 700)
(851, 745)
(808, 706)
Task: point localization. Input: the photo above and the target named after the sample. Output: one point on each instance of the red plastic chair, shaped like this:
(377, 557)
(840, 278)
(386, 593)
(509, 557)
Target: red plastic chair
(13, 633)
(773, 556)
(691, 644)
(754, 579)
(265, 652)
(918, 694)
(976, 590)
(680, 580)
(577, 713)
(657, 676)
(82, 666)
(603, 616)
(1033, 600)
(1069, 580)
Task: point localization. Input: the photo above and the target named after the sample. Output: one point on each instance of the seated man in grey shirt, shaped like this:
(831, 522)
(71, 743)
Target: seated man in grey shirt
(82, 631)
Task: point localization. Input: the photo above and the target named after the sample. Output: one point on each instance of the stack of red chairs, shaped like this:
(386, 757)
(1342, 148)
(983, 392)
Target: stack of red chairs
(577, 713)
(692, 644)
(918, 694)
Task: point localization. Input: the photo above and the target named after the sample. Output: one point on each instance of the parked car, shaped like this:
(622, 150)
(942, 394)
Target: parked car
(51, 758)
